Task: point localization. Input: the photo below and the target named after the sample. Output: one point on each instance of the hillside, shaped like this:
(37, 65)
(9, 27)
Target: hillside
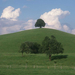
(12, 62)
(11, 42)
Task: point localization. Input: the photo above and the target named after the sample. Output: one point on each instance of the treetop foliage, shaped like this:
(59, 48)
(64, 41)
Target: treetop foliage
(40, 23)
(51, 46)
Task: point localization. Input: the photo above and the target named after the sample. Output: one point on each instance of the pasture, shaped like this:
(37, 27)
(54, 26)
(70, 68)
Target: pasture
(39, 64)
(12, 62)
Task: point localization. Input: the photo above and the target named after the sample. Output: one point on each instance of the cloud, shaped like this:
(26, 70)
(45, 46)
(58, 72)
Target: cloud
(9, 26)
(10, 13)
(29, 24)
(73, 31)
(66, 28)
(11, 29)
(52, 17)
(24, 6)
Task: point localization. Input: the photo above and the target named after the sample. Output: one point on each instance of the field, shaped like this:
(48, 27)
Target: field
(39, 64)
(12, 62)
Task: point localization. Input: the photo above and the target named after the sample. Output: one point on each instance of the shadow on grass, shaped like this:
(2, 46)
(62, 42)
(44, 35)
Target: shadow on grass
(59, 57)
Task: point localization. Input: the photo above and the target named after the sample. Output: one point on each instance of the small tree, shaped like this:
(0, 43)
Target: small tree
(33, 47)
(22, 48)
(29, 47)
(45, 44)
(52, 46)
(25, 48)
(40, 23)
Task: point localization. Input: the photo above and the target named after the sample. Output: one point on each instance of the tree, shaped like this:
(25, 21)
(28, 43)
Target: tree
(35, 48)
(40, 23)
(45, 44)
(29, 47)
(25, 47)
(52, 46)
(22, 48)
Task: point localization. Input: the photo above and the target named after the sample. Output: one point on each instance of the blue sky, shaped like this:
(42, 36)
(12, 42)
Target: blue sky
(58, 14)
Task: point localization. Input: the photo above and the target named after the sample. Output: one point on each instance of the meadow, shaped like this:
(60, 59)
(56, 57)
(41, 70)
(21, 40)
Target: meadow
(12, 62)
(39, 64)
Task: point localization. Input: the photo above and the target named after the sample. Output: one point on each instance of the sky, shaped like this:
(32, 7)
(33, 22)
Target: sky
(19, 15)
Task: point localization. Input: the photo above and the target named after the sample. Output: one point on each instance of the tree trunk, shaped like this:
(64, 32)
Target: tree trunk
(49, 57)
(40, 27)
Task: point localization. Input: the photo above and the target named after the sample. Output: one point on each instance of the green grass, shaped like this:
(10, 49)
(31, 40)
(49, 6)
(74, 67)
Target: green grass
(34, 59)
(39, 64)
(37, 71)
(11, 42)
(12, 62)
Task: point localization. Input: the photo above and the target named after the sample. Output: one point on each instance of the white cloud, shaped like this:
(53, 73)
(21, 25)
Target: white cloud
(73, 31)
(66, 28)
(14, 28)
(7, 26)
(10, 13)
(52, 17)
(10, 24)
(4, 30)
(10, 28)
(29, 24)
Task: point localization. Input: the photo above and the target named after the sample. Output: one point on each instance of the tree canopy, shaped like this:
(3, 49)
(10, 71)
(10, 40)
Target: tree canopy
(51, 46)
(29, 47)
(40, 23)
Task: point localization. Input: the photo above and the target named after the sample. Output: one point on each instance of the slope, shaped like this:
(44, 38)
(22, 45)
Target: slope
(11, 42)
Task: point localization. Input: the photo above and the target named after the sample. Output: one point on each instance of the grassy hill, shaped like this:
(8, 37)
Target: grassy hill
(11, 42)
(12, 62)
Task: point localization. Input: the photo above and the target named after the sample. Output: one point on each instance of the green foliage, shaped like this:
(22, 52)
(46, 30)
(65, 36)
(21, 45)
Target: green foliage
(22, 47)
(45, 44)
(35, 48)
(51, 46)
(40, 23)
(25, 47)
(29, 47)
(55, 46)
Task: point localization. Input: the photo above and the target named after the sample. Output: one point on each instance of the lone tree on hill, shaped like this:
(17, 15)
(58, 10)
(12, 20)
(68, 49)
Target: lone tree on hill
(51, 46)
(40, 23)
